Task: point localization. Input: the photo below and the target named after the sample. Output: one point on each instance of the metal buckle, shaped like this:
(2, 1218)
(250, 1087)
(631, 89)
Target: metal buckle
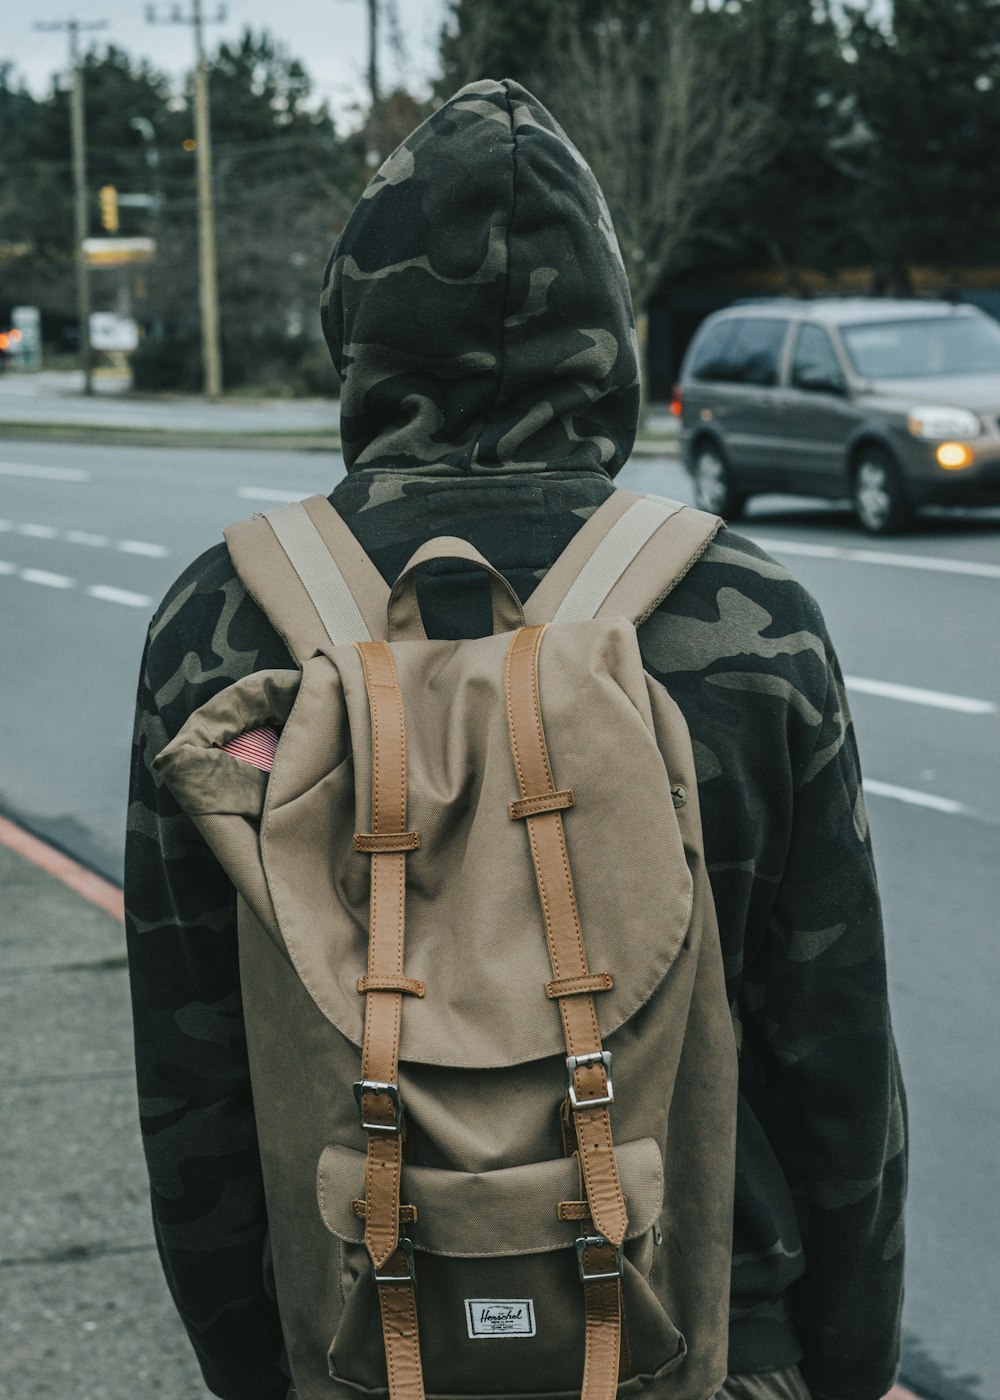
(391, 1091)
(595, 1241)
(407, 1248)
(573, 1062)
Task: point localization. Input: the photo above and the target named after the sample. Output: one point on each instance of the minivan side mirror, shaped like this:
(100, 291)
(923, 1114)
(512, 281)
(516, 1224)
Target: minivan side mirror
(819, 381)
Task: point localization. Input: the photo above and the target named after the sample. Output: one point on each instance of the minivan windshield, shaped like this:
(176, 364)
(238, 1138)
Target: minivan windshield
(914, 349)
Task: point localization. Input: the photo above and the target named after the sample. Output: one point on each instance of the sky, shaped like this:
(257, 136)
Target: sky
(330, 38)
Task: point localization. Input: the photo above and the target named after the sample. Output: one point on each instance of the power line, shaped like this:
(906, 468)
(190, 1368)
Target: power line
(78, 137)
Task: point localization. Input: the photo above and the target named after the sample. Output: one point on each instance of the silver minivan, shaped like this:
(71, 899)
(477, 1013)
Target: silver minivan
(894, 404)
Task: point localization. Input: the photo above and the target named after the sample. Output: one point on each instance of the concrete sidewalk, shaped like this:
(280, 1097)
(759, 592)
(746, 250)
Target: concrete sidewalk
(84, 1310)
(51, 404)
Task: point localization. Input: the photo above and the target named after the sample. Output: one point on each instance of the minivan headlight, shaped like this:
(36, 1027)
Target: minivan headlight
(939, 422)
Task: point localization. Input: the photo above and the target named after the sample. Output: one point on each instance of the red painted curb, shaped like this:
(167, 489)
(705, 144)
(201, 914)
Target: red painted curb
(74, 876)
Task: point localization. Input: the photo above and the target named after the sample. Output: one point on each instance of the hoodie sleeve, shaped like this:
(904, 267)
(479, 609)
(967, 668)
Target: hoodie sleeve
(833, 1097)
(195, 1105)
(821, 1170)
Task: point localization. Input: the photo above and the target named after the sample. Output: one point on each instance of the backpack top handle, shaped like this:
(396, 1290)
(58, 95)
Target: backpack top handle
(405, 621)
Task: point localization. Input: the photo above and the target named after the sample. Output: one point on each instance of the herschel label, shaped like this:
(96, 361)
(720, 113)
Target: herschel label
(500, 1317)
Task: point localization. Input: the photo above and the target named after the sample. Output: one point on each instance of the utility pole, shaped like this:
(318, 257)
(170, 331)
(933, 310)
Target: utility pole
(208, 282)
(374, 154)
(373, 86)
(78, 137)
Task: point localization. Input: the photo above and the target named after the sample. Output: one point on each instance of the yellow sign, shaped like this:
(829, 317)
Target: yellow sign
(116, 252)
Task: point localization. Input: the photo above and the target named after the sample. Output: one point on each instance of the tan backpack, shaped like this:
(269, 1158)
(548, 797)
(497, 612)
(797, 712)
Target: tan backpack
(523, 808)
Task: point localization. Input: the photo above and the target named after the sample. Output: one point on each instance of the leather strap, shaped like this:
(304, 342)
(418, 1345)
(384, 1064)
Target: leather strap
(603, 1333)
(590, 1080)
(371, 841)
(408, 1215)
(563, 932)
(384, 988)
(579, 986)
(410, 985)
(547, 802)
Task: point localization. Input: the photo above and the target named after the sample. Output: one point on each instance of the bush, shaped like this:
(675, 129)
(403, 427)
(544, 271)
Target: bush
(292, 368)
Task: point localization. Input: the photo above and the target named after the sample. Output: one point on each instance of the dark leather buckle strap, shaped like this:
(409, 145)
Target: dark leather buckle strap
(384, 987)
(588, 1064)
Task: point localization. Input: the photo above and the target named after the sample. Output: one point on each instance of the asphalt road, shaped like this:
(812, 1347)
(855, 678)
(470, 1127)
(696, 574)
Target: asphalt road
(91, 536)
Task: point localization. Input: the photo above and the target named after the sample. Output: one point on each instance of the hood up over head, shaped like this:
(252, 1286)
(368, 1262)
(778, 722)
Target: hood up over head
(476, 305)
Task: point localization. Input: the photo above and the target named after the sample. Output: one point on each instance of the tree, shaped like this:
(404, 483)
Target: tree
(667, 112)
(284, 183)
(797, 208)
(36, 212)
(928, 92)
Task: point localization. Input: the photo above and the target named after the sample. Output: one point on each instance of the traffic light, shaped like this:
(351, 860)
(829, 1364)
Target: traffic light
(109, 208)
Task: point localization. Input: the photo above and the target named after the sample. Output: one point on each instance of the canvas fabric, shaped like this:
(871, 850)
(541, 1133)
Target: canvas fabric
(482, 1051)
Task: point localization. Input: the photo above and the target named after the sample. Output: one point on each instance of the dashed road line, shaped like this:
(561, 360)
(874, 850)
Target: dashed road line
(43, 576)
(929, 562)
(120, 595)
(103, 591)
(151, 551)
(146, 548)
(914, 695)
(44, 473)
(916, 798)
(268, 493)
(85, 537)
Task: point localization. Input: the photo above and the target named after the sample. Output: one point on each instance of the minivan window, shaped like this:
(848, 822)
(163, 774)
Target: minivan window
(741, 350)
(929, 346)
(756, 350)
(815, 359)
(710, 361)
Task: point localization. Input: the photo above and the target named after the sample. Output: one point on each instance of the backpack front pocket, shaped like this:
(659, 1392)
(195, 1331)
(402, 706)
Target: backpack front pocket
(499, 1298)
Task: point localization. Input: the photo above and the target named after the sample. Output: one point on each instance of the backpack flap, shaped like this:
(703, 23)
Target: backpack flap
(474, 933)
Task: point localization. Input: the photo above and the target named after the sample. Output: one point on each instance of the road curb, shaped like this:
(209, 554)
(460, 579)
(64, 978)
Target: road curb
(94, 888)
(292, 441)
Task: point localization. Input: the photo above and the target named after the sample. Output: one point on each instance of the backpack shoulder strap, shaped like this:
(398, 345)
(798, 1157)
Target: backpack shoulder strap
(303, 566)
(624, 561)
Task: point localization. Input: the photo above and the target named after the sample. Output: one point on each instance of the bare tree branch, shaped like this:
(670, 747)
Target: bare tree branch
(665, 120)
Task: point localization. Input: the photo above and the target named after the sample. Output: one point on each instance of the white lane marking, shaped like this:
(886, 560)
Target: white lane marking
(880, 556)
(44, 577)
(96, 590)
(152, 551)
(913, 797)
(50, 532)
(43, 473)
(941, 700)
(267, 493)
(119, 595)
(85, 537)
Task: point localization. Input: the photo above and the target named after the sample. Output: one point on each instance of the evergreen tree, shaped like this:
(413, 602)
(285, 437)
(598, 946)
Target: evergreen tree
(928, 91)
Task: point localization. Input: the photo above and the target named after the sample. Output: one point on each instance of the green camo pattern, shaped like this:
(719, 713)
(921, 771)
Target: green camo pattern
(479, 264)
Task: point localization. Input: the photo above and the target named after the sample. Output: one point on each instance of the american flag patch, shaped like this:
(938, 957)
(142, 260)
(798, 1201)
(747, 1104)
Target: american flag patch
(256, 746)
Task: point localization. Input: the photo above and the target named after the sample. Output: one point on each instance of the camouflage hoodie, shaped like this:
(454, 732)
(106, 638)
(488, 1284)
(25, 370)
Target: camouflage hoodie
(478, 313)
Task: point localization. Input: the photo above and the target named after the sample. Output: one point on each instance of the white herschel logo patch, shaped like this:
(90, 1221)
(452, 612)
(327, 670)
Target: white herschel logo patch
(500, 1317)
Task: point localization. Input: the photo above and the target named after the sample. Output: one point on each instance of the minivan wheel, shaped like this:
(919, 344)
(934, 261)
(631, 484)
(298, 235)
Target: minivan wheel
(713, 486)
(880, 500)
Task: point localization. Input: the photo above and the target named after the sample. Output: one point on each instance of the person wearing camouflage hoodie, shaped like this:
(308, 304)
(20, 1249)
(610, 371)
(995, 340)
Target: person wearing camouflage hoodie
(478, 314)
